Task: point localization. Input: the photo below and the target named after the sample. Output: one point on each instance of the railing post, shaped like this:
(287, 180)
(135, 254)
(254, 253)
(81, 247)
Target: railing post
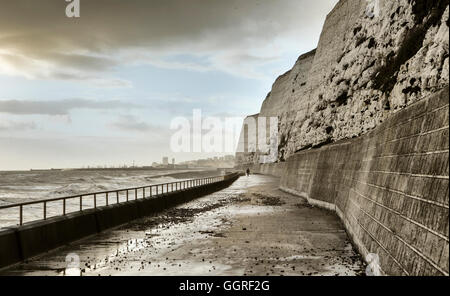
(143, 192)
(151, 191)
(95, 201)
(107, 198)
(135, 193)
(127, 195)
(21, 215)
(45, 210)
(64, 206)
(81, 203)
(117, 196)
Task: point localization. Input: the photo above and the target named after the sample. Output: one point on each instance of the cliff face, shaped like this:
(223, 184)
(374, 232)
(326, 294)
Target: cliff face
(248, 141)
(373, 59)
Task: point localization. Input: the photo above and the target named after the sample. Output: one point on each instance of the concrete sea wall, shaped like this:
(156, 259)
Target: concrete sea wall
(389, 187)
(24, 242)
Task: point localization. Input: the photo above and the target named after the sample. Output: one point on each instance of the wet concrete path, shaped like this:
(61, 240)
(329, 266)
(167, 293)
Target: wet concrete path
(250, 228)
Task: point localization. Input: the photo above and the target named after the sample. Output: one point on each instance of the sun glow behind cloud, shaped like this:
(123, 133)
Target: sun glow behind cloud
(165, 56)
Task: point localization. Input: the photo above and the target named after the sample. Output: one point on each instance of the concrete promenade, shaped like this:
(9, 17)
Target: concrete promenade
(249, 228)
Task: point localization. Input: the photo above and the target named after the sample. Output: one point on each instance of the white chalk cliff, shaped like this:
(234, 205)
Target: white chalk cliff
(373, 58)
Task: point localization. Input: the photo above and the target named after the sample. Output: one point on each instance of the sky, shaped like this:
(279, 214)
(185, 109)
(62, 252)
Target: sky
(103, 89)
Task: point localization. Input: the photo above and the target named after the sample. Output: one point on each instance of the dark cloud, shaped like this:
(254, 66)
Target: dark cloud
(61, 107)
(38, 40)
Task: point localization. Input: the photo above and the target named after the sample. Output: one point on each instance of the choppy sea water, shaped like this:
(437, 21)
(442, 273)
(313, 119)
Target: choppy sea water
(24, 186)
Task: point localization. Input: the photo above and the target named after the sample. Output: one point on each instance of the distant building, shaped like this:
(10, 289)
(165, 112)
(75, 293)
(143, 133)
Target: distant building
(173, 161)
(165, 161)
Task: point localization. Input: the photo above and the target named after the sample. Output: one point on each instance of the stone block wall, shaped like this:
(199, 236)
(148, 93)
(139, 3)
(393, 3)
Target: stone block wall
(389, 186)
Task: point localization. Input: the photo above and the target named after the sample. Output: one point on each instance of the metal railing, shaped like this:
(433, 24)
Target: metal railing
(135, 193)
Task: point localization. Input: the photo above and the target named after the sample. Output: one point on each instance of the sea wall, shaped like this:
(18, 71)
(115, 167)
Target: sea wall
(32, 239)
(389, 187)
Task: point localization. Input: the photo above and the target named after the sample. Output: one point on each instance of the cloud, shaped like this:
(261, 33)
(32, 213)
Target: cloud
(61, 107)
(130, 123)
(58, 67)
(16, 126)
(38, 41)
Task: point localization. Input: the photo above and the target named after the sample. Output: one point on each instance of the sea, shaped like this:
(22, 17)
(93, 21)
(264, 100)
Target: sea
(25, 186)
